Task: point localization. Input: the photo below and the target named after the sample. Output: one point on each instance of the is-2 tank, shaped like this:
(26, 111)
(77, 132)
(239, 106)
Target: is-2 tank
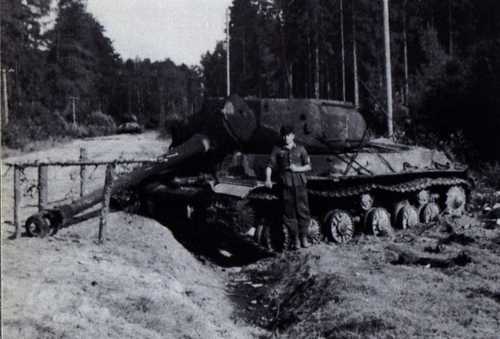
(357, 184)
(212, 177)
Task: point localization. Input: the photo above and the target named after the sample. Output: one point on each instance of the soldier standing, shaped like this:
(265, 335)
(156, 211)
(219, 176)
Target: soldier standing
(291, 161)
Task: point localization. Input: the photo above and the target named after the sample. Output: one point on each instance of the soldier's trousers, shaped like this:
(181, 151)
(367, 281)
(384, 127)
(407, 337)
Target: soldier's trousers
(296, 216)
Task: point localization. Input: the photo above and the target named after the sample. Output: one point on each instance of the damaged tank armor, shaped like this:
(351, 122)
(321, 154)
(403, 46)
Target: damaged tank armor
(217, 166)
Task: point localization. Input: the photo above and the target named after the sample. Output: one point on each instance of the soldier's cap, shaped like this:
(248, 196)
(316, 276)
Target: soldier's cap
(287, 129)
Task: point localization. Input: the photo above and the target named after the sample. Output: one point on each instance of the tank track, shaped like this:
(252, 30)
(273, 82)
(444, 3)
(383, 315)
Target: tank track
(406, 187)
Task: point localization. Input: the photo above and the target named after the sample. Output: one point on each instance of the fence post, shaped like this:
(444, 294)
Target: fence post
(83, 171)
(43, 187)
(17, 199)
(108, 185)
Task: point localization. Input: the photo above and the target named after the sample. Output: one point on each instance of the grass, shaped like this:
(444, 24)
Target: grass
(354, 291)
(34, 146)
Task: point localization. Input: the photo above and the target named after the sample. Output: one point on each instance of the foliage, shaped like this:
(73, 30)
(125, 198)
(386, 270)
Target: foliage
(292, 48)
(100, 124)
(74, 63)
(34, 123)
(489, 175)
(279, 48)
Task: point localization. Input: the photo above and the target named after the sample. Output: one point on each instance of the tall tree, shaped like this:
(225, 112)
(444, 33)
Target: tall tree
(81, 59)
(21, 43)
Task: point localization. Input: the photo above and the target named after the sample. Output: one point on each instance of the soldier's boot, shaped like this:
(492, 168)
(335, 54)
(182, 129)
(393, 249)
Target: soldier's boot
(304, 242)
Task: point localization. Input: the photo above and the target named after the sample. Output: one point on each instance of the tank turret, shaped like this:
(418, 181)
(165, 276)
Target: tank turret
(217, 162)
(254, 124)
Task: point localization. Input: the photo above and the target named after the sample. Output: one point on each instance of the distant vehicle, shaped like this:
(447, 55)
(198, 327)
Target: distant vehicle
(130, 127)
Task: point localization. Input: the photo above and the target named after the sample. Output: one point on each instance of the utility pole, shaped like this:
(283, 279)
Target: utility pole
(5, 99)
(228, 54)
(388, 76)
(355, 59)
(73, 106)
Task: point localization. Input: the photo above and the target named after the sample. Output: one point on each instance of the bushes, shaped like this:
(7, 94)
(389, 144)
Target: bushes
(99, 123)
(36, 123)
(452, 104)
(33, 123)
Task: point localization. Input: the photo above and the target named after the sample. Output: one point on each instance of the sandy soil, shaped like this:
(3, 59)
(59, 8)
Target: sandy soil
(140, 284)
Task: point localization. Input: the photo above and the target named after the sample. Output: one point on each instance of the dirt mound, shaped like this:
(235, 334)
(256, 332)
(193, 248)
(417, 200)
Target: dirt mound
(356, 290)
(140, 284)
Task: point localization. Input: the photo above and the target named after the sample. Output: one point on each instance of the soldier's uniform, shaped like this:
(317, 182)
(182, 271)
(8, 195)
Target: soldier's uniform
(293, 188)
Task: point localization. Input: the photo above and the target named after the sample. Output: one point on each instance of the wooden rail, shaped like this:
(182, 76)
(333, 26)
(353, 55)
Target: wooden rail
(83, 162)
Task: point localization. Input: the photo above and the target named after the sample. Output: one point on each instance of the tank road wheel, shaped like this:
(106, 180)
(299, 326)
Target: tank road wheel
(339, 226)
(430, 211)
(314, 232)
(366, 202)
(405, 215)
(378, 222)
(455, 201)
(423, 197)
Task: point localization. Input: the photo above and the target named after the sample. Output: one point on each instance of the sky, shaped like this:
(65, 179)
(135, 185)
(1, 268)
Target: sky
(181, 30)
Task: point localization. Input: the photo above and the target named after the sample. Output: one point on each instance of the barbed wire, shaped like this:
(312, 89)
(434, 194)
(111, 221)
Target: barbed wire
(30, 186)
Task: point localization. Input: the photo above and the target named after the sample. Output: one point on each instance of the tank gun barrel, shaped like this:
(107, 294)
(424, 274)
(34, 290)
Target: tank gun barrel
(52, 219)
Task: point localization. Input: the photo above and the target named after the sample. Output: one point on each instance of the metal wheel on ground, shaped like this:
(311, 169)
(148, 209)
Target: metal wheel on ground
(339, 226)
(377, 221)
(314, 232)
(455, 201)
(405, 215)
(429, 212)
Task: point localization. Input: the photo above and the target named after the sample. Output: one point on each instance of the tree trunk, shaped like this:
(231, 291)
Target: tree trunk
(450, 27)
(244, 42)
(316, 52)
(308, 68)
(162, 108)
(327, 80)
(342, 49)
(388, 75)
(129, 98)
(406, 91)
(316, 78)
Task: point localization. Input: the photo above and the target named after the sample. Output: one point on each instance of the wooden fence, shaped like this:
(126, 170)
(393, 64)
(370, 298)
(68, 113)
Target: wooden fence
(82, 163)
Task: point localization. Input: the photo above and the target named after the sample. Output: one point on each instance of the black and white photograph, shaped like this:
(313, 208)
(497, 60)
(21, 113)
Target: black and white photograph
(242, 169)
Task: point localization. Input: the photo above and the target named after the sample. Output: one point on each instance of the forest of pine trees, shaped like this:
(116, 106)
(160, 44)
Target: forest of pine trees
(73, 62)
(445, 68)
(445, 63)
